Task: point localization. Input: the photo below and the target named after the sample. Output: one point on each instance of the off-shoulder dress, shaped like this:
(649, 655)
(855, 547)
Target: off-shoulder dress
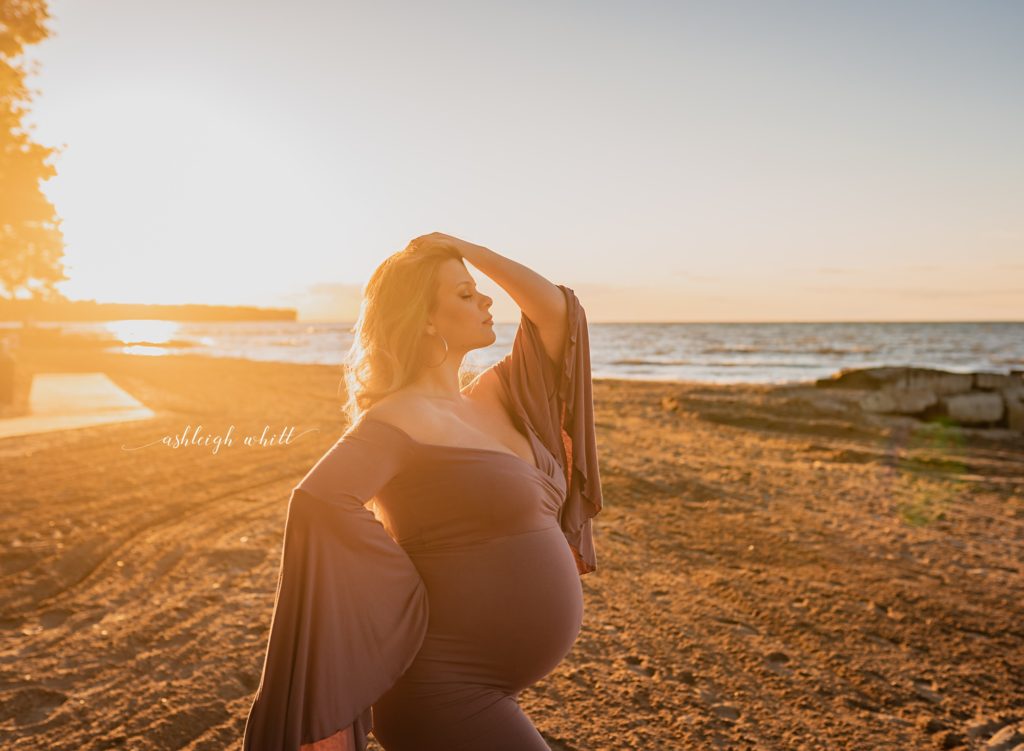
(421, 624)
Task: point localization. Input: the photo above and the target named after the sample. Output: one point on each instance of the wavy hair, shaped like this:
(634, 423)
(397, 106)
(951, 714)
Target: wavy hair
(388, 345)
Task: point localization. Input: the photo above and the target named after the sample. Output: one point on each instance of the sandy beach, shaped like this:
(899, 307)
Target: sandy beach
(774, 571)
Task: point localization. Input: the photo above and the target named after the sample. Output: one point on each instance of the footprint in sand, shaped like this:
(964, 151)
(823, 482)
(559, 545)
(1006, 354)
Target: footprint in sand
(235, 559)
(926, 690)
(54, 618)
(726, 712)
(619, 535)
(776, 662)
(635, 663)
(741, 628)
(30, 705)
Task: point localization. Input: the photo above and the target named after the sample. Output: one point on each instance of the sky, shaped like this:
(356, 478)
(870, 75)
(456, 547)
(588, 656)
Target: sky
(668, 161)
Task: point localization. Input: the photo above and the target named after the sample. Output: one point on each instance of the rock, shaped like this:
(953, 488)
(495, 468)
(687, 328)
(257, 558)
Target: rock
(978, 407)
(859, 378)
(938, 381)
(986, 399)
(899, 400)
(1014, 410)
(996, 381)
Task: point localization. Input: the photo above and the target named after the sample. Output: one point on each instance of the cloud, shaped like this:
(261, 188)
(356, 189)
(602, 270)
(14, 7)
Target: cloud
(326, 301)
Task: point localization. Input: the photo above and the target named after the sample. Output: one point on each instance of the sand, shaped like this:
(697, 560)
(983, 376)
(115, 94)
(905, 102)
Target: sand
(59, 401)
(774, 571)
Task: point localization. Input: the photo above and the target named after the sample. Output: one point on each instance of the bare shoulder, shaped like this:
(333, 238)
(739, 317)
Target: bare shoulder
(402, 410)
(485, 389)
(429, 421)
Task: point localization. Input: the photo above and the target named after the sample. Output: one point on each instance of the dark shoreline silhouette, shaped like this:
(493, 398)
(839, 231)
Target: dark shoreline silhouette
(90, 310)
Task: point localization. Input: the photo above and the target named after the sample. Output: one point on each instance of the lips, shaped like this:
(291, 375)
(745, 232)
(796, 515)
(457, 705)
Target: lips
(490, 320)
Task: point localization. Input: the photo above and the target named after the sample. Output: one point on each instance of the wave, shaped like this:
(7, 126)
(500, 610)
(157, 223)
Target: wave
(740, 349)
(709, 363)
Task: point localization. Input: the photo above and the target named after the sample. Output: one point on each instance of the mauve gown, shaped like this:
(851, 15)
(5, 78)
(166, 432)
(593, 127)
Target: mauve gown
(422, 625)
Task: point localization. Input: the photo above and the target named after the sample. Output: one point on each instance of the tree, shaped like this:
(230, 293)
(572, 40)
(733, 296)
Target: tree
(31, 240)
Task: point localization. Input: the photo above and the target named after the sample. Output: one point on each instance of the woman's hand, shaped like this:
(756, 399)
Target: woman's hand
(466, 249)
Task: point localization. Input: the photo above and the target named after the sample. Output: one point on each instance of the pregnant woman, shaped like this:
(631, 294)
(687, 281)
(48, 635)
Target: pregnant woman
(421, 620)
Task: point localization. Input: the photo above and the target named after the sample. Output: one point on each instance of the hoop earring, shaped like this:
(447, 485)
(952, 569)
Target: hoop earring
(445, 352)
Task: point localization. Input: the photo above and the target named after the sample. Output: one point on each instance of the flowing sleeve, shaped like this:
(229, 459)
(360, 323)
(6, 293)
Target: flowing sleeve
(556, 399)
(350, 611)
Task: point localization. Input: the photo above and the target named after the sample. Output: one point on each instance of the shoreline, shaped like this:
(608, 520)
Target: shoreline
(726, 361)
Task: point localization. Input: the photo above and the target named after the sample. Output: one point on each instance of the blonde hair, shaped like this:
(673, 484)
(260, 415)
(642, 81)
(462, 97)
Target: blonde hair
(388, 346)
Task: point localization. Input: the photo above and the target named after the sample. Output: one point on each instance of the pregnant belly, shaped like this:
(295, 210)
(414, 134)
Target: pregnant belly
(503, 612)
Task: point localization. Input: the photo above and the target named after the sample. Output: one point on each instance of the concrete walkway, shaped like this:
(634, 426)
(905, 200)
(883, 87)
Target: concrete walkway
(59, 401)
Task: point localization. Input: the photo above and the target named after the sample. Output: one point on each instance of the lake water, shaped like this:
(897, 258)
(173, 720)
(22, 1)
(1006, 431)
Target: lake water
(710, 352)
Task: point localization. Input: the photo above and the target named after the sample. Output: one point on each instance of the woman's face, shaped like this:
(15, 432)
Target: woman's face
(461, 310)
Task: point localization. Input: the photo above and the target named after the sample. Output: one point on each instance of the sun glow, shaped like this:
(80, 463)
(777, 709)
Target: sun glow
(142, 331)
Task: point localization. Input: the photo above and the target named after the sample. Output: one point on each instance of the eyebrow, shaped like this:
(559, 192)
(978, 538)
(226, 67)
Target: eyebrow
(460, 284)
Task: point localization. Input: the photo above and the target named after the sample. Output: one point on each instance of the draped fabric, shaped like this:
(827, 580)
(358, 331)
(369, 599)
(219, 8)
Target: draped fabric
(556, 399)
(350, 612)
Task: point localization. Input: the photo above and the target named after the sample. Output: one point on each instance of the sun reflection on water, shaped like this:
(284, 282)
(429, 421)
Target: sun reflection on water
(143, 336)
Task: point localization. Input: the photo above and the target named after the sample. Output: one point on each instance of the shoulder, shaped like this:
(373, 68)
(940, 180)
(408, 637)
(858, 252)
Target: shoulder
(426, 421)
(411, 414)
(486, 389)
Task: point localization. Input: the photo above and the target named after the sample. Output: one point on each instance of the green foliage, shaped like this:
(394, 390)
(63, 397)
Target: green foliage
(31, 240)
(925, 499)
